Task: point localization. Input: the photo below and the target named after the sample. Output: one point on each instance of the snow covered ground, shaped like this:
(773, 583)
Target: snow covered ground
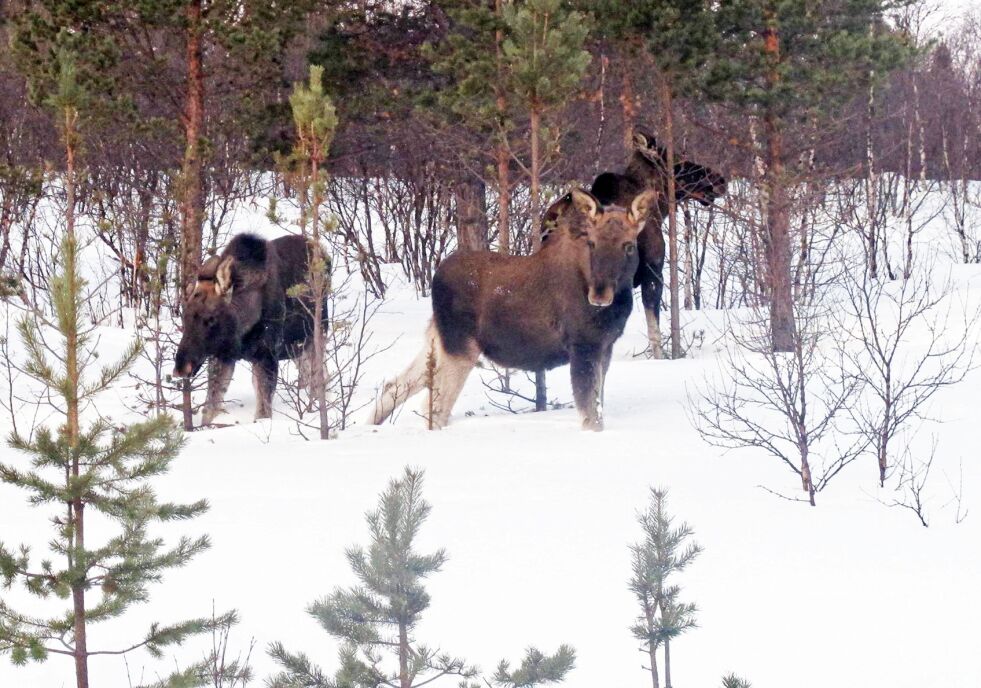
(537, 516)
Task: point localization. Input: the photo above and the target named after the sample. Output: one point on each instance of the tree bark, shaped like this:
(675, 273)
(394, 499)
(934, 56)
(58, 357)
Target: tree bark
(192, 193)
(192, 196)
(317, 264)
(649, 610)
(541, 392)
(628, 103)
(471, 214)
(76, 507)
(536, 162)
(667, 103)
(405, 681)
(502, 153)
(778, 211)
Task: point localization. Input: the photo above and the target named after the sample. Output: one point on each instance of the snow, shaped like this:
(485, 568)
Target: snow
(537, 516)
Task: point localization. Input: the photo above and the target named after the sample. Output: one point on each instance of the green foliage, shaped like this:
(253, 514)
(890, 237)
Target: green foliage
(544, 51)
(733, 681)
(314, 116)
(468, 59)
(826, 51)
(372, 58)
(379, 616)
(537, 668)
(125, 56)
(664, 551)
(676, 34)
(100, 468)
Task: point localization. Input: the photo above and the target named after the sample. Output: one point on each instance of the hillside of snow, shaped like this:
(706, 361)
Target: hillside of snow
(537, 516)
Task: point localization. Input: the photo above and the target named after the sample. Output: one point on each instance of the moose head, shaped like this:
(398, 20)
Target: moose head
(692, 181)
(605, 238)
(223, 305)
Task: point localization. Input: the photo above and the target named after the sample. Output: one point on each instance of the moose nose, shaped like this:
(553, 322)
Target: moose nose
(602, 297)
(184, 370)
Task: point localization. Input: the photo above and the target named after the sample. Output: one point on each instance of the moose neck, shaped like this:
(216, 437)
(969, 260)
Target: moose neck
(642, 174)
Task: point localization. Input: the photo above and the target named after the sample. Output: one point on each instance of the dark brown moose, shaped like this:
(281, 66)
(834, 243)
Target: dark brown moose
(645, 170)
(241, 309)
(568, 303)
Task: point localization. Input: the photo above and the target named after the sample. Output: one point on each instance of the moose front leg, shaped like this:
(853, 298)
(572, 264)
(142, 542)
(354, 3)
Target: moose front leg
(264, 374)
(651, 290)
(587, 379)
(219, 377)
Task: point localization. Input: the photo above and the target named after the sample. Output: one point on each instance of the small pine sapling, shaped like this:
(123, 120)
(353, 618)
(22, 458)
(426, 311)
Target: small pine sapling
(315, 120)
(733, 681)
(664, 551)
(98, 471)
(378, 617)
(536, 668)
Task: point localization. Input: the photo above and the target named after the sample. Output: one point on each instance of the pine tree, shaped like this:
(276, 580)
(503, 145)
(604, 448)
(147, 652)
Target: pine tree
(537, 669)
(80, 469)
(665, 551)
(672, 39)
(734, 681)
(471, 57)
(546, 63)
(315, 121)
(379, 617)
(787, 63)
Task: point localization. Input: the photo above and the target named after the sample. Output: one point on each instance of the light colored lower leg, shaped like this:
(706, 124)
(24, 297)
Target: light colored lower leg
(306, 364)
(410, 381)
(451, 376)
(219, 377)
(654, 334)
(264, 385)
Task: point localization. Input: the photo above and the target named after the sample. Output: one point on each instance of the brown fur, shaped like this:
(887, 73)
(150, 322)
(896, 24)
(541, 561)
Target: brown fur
(568, 303)
(240, 309)
(646, 170)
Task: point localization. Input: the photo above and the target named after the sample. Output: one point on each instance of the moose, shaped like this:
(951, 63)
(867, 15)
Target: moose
(567, 303)
(647, 169)
(242, 308)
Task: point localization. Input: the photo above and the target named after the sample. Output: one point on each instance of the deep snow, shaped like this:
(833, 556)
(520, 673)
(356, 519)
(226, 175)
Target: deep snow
(537, 517)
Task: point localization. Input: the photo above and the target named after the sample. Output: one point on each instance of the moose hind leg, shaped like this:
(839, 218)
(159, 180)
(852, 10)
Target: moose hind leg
(409, 382)
(448, 380)
(651, 289)
(306, 365)
(264, 374)
(587, 366)
(219, 377)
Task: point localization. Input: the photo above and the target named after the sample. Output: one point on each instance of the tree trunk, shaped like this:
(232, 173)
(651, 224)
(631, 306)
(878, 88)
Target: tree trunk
(536, 212)
(541, 392)
(651, 647)
(502, 153)
(667, 103)
(72, 421)
(778, 211)
(628, 103)
(405, 681)
(471, 214)
(192, 193)
(667, 663)
(319, 286)
(503, 200)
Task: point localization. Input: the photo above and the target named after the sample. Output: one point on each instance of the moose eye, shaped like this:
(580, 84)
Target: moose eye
(629, 249)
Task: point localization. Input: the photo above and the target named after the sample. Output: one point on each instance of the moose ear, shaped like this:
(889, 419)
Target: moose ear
(585, 203)
(641, 206)
(223, 277)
